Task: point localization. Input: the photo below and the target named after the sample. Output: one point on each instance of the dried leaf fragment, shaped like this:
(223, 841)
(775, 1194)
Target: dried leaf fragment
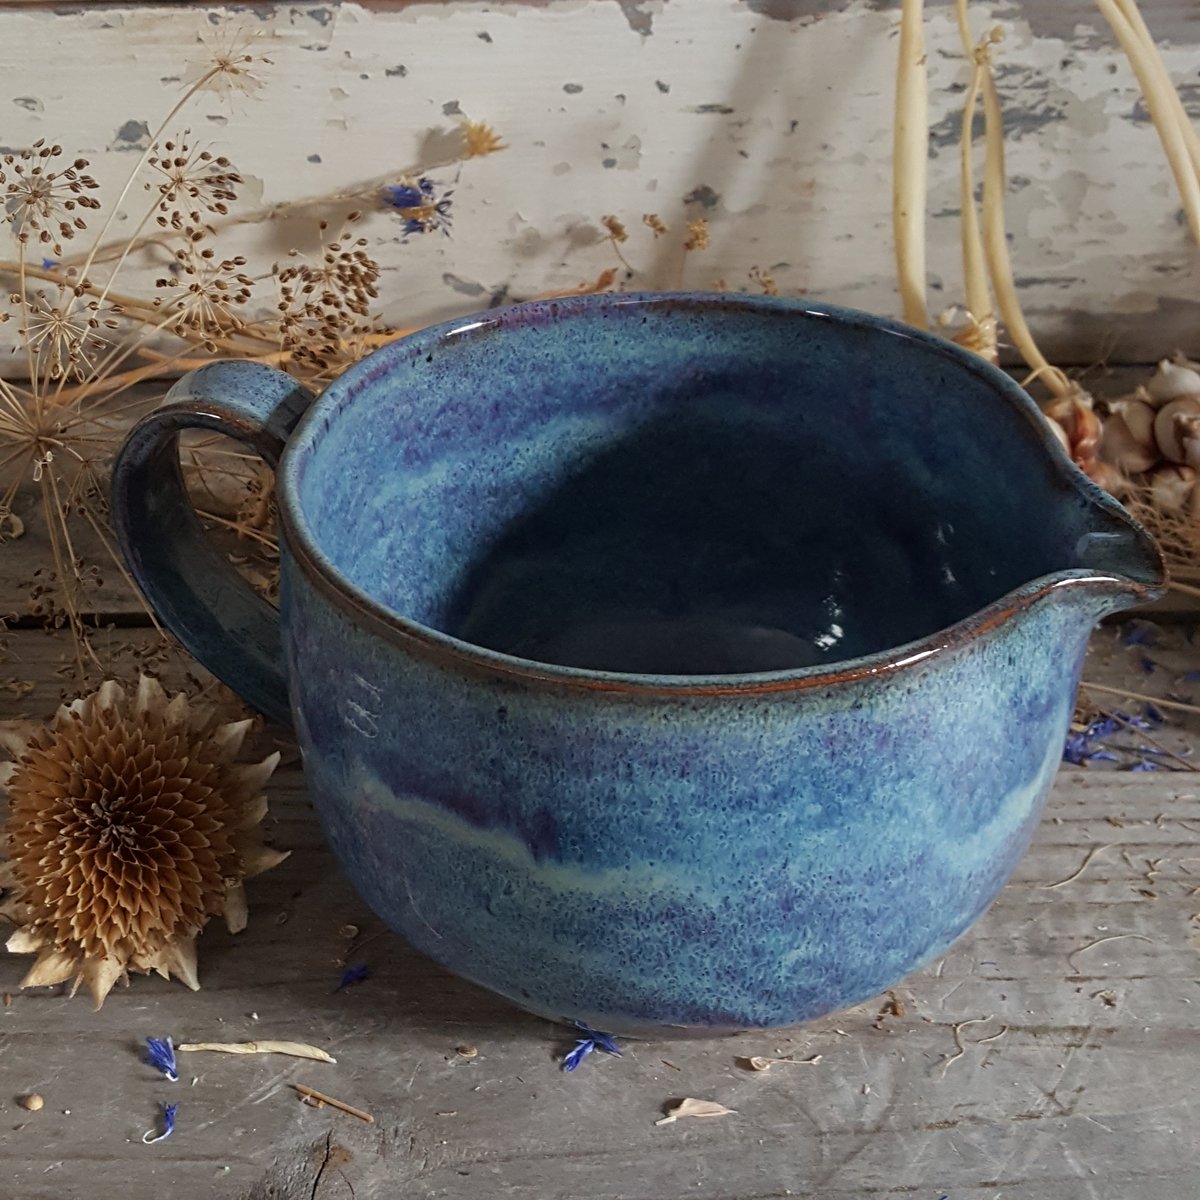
(294, 1049)
(758, 1063)
(694, 1108)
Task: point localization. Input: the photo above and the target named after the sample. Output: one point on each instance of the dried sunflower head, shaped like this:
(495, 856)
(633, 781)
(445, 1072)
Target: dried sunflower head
(129, 826)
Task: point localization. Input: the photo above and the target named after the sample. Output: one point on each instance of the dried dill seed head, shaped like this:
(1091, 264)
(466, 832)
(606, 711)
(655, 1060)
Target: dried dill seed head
(206, 291)
(655, 222)
(324, 307)
(190, 179)
(64, 334)
(44, 202)
(129, 826)
(616, 230)
(228, 65)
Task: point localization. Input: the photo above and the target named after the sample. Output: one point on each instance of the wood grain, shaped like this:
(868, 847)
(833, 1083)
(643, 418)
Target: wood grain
(1084, 1090)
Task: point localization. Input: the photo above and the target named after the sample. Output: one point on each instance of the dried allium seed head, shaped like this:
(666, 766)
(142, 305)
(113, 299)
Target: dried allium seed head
(129, 826)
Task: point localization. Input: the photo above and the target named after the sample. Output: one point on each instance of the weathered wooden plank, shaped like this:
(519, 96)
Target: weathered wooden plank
(1087, 1094)
(772, 118)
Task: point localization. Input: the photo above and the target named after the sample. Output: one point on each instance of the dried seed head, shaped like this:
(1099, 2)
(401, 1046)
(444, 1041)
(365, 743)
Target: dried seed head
(43, 204)
(697, 238)
(616, 230)
(129, 827)
(480, 139)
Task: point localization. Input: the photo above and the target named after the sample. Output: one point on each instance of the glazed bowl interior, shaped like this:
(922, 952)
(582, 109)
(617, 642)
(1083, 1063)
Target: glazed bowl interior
(682, 486)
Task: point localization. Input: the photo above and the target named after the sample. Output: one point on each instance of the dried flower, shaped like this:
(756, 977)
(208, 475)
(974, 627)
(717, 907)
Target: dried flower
(43, 203)
(64, 336)
(228, 66)
(418, 202)
(169, 1111)
(697, 238)
(480, 139)
(129, 826)
(616, 230)
(655, 222)
(322, 306)
(763, 278)
(353, 975)
(403, 196)
(160, 1054)
(207, 291)
(191, 177)
(592, 1039)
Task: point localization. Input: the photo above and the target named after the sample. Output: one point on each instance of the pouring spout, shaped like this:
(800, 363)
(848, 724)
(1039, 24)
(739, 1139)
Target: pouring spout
(1125, 565)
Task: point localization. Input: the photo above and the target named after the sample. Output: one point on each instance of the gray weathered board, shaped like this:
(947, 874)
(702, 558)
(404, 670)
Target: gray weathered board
(1087, 1090)
(770, 118)
(1080, 1085)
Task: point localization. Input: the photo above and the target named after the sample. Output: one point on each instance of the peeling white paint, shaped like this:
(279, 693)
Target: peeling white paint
(779, 131)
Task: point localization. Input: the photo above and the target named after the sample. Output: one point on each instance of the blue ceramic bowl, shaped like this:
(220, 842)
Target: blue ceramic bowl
(669, 663)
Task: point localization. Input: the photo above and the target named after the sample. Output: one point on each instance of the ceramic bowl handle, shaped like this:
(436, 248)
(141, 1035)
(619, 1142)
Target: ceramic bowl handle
(196, 594)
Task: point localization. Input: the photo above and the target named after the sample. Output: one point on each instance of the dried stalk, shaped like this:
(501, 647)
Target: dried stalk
(995, 238)
(910, 164)
(1179, 140)
(978, 294)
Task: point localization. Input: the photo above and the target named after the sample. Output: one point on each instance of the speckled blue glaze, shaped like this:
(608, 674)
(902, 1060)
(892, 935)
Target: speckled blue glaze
(674, 664)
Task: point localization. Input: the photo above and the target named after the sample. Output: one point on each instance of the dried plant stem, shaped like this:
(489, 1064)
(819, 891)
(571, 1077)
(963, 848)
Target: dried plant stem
(1185, 589)
(1162, 101)
(1146, 737)
(151, 144)
(996, 243)
(975, 280)
(318, 1099)
(961, 1050)
(364, 190)
(1114, 937)
(1125, 693)
(1094, 852)
(910, 164)
(1192, 139)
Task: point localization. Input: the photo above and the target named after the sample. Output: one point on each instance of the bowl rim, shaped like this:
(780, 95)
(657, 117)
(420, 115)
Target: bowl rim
(415, 637)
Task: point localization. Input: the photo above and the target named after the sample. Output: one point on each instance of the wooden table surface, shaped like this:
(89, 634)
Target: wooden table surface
(1048, 1056)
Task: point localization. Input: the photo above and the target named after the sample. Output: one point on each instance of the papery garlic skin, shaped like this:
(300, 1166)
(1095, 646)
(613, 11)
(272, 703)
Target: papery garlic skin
(1171, 487)
(1128, 441)
(1168, 428)
(1172, 380)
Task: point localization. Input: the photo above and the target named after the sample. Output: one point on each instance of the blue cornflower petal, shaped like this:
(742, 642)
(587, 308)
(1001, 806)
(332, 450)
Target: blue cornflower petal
(352, 975)
(604, 1041)
(583, 1048)
(160, 1054)
(169, 1111)
(1146, 663)
(48, 264)
(403, 195)
(1140, 633)
(1144, 766)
